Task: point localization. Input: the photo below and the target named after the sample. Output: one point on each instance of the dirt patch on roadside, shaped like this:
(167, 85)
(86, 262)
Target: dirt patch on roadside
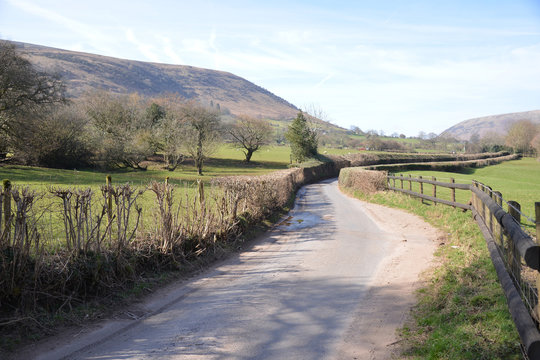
(392, 292)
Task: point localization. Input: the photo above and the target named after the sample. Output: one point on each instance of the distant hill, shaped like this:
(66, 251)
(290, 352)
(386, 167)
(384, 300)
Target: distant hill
(494, 123)
(83, 72)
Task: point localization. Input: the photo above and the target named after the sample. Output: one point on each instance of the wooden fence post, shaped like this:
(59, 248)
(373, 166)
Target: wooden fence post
(421, 189)
(481, 187)
(200, 185)
(499, 235)
(514, 209)
(473, 198)
(401, 179)
(434, 189)
(108, 184)
(489, 191)
(7, 208)
(410, 182)
(453, 191)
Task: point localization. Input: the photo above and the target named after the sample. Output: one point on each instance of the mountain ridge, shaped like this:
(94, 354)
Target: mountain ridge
(493, 123)
(84, 72)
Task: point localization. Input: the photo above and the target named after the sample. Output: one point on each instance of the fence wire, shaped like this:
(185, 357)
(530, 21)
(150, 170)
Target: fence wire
(524, 278)
(492, 193)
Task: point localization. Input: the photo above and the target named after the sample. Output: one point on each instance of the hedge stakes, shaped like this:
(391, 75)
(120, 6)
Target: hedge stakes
(7, 207)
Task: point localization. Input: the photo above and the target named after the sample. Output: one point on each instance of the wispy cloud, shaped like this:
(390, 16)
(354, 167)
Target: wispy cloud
(147, 50)
(170, 51)
(98, 40)
(324, 80)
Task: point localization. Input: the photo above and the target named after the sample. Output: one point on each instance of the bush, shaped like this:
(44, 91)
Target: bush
(366, 181)
(54, 139)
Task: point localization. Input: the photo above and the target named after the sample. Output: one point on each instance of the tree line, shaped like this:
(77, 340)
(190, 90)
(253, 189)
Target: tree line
(39, 125)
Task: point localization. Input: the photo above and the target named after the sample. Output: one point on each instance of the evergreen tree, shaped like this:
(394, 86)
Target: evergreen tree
(303, 140)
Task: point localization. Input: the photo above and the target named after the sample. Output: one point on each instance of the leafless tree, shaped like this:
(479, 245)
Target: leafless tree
(24, 92)
(21, 85)
(202, 135)
(171, 132)
(535, 143)
(492, 141)
(250, 134)
(120, 131)
(520, 135)
(55, 138)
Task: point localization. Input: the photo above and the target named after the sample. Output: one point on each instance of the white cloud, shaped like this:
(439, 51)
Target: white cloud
(146, 49)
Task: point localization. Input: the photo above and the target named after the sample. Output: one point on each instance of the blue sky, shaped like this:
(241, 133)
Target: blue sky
(396, 66)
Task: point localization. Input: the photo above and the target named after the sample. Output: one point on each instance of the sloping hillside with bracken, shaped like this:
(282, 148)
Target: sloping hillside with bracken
(83, 72)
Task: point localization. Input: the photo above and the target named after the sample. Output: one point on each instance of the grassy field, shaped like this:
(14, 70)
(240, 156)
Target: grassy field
(227, 161)
(517, 180)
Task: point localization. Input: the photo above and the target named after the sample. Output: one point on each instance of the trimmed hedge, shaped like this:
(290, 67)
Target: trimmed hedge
(367, 181)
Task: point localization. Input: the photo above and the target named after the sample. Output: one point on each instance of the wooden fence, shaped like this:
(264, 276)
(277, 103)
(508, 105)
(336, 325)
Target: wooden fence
(515, 254)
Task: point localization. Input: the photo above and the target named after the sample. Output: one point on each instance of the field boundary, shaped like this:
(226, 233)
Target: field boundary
(514, 253)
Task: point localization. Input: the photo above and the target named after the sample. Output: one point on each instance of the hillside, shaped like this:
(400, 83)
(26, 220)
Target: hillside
(494, 123)
(83, 72)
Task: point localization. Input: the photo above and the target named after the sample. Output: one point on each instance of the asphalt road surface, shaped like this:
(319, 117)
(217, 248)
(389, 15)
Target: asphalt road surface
(300, 292)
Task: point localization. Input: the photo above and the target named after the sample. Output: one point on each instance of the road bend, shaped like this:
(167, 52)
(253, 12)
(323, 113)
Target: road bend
(293, 295)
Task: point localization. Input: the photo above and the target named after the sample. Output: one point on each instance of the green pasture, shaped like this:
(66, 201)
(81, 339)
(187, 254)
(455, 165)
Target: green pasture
(517, 180)
(227, 161)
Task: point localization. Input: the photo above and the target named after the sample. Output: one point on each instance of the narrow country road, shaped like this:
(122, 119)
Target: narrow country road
(328, 283)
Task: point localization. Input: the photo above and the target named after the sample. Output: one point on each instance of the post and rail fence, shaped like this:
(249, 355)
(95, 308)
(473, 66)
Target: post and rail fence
(514, 252)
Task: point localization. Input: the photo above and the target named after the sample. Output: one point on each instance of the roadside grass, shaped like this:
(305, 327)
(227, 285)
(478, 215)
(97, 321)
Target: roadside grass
(461, 311)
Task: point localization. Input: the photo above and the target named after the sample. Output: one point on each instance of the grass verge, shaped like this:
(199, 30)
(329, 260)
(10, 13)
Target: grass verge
(461, 311)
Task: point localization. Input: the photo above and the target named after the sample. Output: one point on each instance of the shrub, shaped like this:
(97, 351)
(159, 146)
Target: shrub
(366, 181)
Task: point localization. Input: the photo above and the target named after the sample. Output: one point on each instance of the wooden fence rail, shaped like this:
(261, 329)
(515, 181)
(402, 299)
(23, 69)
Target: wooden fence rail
(435, 183)
(510, 247)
